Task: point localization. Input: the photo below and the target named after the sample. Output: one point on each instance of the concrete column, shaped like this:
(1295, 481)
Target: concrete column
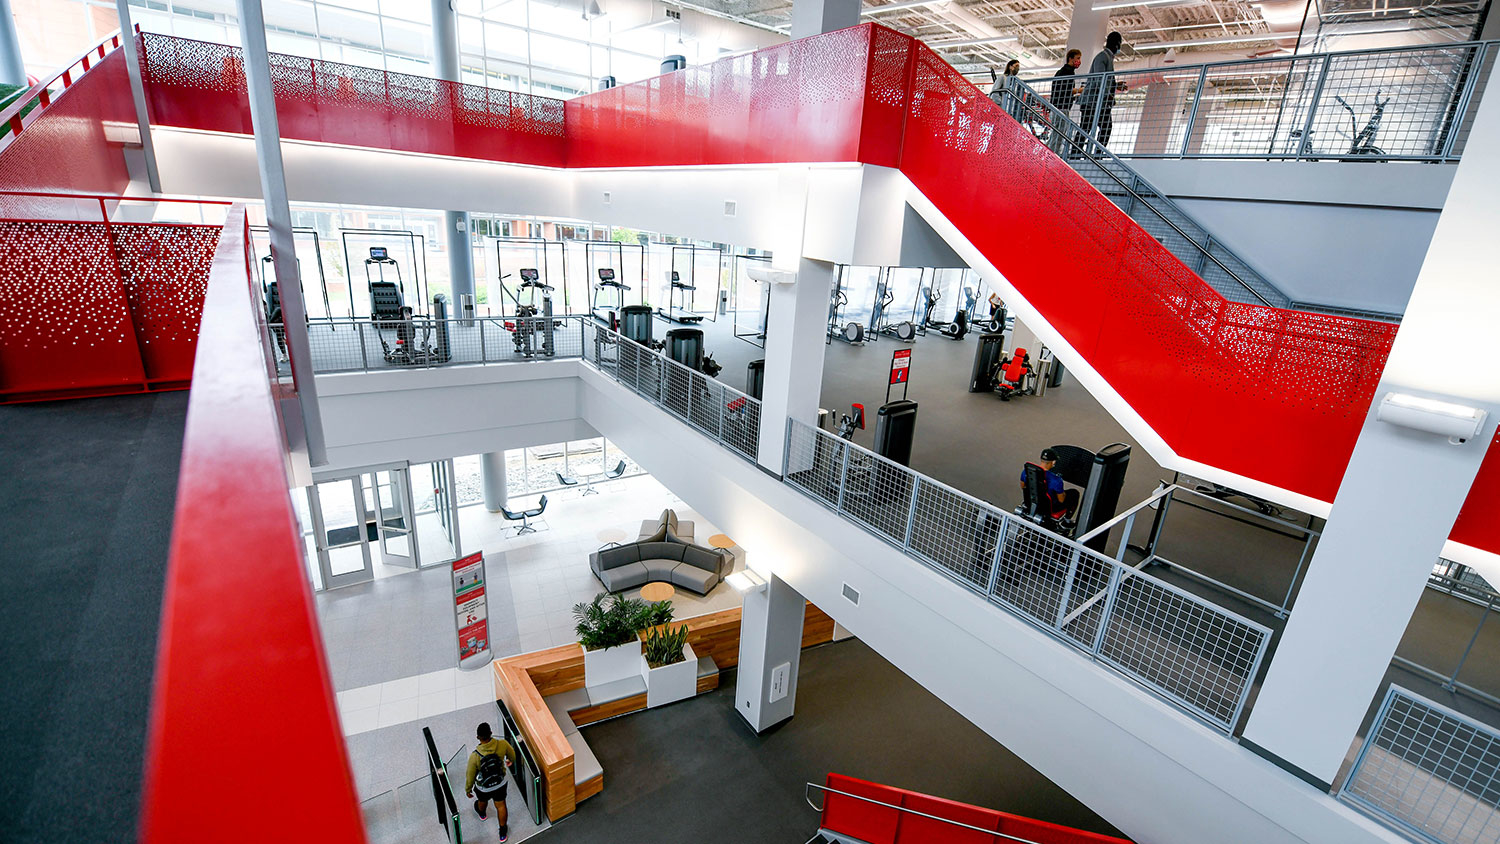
(1163, 99)
(1086, 31)
(279, 221)
(456, 236)
(1199, 130)
(492, 478)
(1402, 491)
(765, 692)
(796, 324)
(12, 68)
(813, 17)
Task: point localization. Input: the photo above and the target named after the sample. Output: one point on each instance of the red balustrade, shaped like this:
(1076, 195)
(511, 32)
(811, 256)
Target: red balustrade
(240, 667)
(199, 85)
(883, 814)
(97, 306)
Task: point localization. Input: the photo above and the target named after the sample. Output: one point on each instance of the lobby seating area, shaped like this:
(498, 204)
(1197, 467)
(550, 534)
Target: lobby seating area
(664, 552)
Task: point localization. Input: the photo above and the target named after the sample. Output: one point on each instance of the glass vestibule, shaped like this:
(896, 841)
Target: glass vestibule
(368, 525)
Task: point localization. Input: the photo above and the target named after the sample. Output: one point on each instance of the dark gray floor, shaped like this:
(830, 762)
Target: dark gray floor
(89, 487)
(694, 771)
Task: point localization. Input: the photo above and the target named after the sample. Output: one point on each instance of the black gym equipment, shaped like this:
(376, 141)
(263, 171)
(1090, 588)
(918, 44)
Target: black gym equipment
(387, 298)
(267, 277)
(755, 378)
(1039, 507)
(635, 325)
(987, 357)
(409, 351)
(895, 427)
(1101, 476)
(685, 345)
(852, 421)
(548, 257)
(609, 298)
(533, 317)
(904, 331)
(1014, 376)
(394, 243)
(852, 332)
(929, 298)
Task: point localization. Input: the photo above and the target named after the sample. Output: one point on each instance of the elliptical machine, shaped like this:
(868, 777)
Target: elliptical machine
(904, 331)
(852, 332)
(1362, 141)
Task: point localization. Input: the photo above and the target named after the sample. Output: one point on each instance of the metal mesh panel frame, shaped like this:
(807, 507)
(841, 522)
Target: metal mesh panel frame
(1187, 651)
(1428, 771)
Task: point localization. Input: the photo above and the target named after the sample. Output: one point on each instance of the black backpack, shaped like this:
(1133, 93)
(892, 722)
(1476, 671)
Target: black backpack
(491, 774)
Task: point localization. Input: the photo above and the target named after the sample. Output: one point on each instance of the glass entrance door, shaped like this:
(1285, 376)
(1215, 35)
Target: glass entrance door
(436, 494)
(388, 493)
(340, 533)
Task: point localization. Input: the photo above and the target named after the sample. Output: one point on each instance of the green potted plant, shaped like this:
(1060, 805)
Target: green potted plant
(670, 667)
(607, 628)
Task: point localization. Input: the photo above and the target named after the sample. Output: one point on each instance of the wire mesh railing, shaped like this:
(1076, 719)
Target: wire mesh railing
(719, 412)
(365, 345)
(1428, 771)
(1186, 650)
(1408, 104)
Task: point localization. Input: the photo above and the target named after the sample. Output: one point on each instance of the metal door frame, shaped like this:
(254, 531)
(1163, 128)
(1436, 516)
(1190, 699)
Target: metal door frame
(320, 536)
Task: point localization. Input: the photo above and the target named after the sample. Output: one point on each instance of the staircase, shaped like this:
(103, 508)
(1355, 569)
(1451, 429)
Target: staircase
(1174, 228)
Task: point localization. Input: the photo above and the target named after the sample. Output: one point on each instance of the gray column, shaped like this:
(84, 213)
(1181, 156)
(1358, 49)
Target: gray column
(12, 68)
(765, 691)
(1163, 100)
(137, 93)
(1402, 491)
(1086, 31)
(492, 477)
(813, 17)
(455, 223)
(279, 220)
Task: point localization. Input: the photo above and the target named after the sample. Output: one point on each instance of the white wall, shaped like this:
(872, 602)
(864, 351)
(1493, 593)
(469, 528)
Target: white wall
(1337, 233)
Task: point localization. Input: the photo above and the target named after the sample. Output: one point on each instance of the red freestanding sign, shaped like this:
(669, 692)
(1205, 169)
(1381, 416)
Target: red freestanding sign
(900, 365)
(471, 608)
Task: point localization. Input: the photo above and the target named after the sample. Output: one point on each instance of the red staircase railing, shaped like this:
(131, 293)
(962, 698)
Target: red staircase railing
(241, 676)
(883, 814)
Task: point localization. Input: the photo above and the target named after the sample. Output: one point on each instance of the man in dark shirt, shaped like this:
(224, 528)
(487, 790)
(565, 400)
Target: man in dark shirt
(1061, 496)
(1097, 105)
(1064, 94)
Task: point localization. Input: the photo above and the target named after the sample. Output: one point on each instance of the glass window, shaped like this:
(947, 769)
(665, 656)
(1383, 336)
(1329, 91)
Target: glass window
(508, 76)
(647, 42)
(560, 54)
(362, 5)
(407, 41)
(412, 10)
(505, 42)
(291, 16)
(505, 11)
(470, 36)
(350, 29)
(563, 19)
(632, 67)
(292, 45)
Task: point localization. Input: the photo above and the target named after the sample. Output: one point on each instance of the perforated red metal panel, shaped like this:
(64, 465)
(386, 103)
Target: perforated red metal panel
(64, 320)
(1253, 390)
(65, 148)
(198, 85)
(795, 102)
(165, 272)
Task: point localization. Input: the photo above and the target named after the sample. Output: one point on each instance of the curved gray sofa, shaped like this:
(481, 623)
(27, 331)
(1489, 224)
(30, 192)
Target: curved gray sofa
(664, 553)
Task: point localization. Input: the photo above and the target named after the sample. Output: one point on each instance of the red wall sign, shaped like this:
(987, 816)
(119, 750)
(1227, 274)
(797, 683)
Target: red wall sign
(470, 607)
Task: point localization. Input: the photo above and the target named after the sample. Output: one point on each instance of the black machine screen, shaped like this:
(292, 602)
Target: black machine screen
(530, 274)
(606, 274)
(379, 253)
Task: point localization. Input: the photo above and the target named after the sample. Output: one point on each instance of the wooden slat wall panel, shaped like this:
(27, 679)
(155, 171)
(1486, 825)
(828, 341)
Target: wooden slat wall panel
(817, 627)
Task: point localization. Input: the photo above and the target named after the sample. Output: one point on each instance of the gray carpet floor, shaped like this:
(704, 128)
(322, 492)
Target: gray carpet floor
(695, 771)
(89, 488)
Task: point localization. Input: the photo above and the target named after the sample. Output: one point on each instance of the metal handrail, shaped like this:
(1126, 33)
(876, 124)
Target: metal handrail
(807, 795)
(1193, 69)
(1081, 141)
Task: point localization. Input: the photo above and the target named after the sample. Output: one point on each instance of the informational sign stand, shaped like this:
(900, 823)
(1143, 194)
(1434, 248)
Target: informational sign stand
(900, 372)
(471, 616)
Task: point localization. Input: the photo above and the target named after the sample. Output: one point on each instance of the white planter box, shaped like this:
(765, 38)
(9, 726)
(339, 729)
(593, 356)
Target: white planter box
(671, 683)
(612, 664)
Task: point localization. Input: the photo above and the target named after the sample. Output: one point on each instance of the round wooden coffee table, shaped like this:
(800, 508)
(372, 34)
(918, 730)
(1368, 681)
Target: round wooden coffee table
(611, 535)
(658, 592)
(719, 540)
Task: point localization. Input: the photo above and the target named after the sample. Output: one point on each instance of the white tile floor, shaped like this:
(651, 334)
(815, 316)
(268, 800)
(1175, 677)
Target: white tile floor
(548, 573)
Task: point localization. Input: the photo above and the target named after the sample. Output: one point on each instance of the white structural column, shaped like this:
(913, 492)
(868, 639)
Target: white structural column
(455, 223)
(137, 93)
(1163, 101)
(492, 478)
(1086, 31)
(1402, 491)
(12, 68)
(765, 692)
(812, 17)
(279, 221)
(796, 324)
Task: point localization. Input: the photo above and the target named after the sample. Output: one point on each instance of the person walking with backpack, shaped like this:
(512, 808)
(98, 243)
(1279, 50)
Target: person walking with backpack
(485, 780)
